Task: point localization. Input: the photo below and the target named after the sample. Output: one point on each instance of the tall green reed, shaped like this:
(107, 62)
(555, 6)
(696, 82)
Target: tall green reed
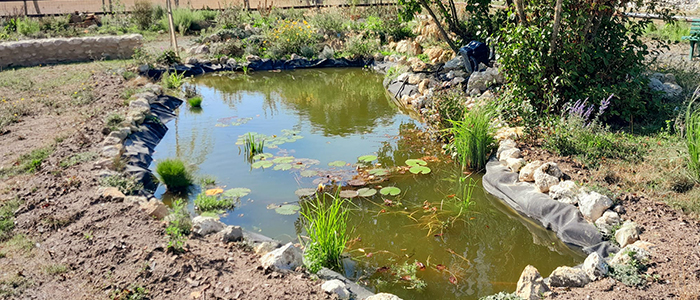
(473, 137)
(325, 222)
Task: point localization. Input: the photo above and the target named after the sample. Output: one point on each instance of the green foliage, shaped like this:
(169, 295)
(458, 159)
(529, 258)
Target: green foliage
(126, 184)
(465, 192)
(113, 121)
(331, 22)
(31, 162)
(325, 221)
(668, 32)
(7, 218)
(142, 14)
(173, 80)
(28, 27)
(168, 58)
(473, 137)
(405, 275)
(20, 243)
(387, 28)
(179, 225)
(195, 101)
(692, 137)
(287, 37)
(253, 147)
(133, 292)
(357, 47)
(449, 105)
(174, 174)
(213, 203)
(233, 17)
(77, 159)
(629, 274)
(184, 20)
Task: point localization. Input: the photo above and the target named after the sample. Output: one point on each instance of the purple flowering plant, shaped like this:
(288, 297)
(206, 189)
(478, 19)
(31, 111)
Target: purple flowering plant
(581, 110)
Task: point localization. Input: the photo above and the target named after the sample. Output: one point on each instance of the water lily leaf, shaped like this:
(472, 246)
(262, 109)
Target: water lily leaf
(367, 158)
(262, 156)
(348, 194)
(273, 206)
(337, 163)
(390, 190)
(419, 170)
(366, 192)
(283, 167)
(415, 162)
(305, 192)
(309, 173)
(212, 192)
(262, 164)
(357, 182)
(287, 209)
(299, 167)
(307, 161)
(378, 172)
(236, 192)
(283, 160)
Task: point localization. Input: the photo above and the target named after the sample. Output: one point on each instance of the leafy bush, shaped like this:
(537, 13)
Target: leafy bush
(127, 185)
(58, 25)
(473, 138)
(331, 23)
(289, 37)
(174, 80)
(113, 121)
(230, 48)
(233, 17)
(195, 101)
(180, 217)
(28, 26)
(184, 20)
(213, 203)
(669, 32)
(174, 174)
(325, 222)
(357, 47)
(142, 14)
(449, 105)
(168, 58)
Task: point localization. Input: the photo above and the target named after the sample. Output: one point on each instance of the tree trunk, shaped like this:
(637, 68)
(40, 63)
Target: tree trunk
(449, 41)
(521, 12)
(555, 27)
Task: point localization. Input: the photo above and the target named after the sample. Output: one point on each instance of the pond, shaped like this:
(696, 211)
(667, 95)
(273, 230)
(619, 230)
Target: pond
(423, 243)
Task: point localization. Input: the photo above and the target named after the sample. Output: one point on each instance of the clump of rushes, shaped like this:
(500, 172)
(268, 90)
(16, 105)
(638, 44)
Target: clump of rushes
(174, 174)
(195, 102)
(692, 137)
(213, 203)
(325, 222)
(473, 138)
(252, 147)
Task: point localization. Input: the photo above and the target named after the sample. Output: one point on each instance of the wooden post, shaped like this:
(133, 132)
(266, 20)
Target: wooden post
(173, 39)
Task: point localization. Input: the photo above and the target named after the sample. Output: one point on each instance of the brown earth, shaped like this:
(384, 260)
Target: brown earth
(71, 244)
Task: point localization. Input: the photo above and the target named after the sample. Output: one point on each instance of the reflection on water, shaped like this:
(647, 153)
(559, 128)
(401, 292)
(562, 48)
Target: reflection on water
(339, 115)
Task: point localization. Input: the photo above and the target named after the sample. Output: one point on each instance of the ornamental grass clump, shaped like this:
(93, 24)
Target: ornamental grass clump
(473, 138)
(325, 222)
(195, 102)
(692, 137)
(174, 174)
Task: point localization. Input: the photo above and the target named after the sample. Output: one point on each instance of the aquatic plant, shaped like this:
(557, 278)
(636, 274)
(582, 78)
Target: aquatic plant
(173, 80)
(253, 147)
(325, 222)
(464, 194)
(174, 174)
(195, 102)
(692, 137)
(213, 203)
(473, 138)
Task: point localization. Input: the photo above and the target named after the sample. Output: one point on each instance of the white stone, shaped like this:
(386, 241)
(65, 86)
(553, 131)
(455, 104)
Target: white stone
(155, 208)
(252, 58)
(454, 64)
(480, 81)
(568, 277)
(629, 252)
(286, 257)
(527, 173)
(191, 60)
(206, 225)
(514, 164)
(627, 234)
(383, 296)
(416, 78)
(509, 153)
(265, 247)
(530, 285)
(592, 205)
(595, 266)
(546, 176)
(337, 287)
(606, 222)
(566, 192)
(231, 234)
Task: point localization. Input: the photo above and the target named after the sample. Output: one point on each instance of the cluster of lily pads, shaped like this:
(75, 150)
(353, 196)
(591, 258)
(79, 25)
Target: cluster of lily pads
(231, 121)
(271, 141)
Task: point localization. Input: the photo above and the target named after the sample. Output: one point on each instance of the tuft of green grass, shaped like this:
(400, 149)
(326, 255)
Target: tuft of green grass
(127, 185)
(55, 269)
(465, 192)
(253, 147)
(692, 137)
(213, 203)
(173, 80)
(207, 180)
(13, 286)
(7, 218)
(325, 221)
(669, 32)
(31, 162)
(20, 243)
(174, 174)
(473, 138)
(113, 121)
(195, 101)
(77, 159)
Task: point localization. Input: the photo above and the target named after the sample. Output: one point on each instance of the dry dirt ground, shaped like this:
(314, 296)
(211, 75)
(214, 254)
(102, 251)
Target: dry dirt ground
(70, 244)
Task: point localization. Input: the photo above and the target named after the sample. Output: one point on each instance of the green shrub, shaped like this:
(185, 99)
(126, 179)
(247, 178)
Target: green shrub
(172, 80)
(168, 58)
(325, 222)
(114, 121)
(213, 203)
(288, 37)
(179, 225)
(473, 138)
(195, 101)
(331, 23)
(58, 25)
(184, 20)
(31, 162)
(142, 14)
(174, 174)
(449, 105)
(233, 17)
(28, 26)
(125, 184)
(357, 47)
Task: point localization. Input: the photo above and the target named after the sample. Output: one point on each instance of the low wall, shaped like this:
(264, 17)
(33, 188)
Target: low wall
(63, 50)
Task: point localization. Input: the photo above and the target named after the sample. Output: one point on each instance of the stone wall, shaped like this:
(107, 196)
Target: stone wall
(64, 50)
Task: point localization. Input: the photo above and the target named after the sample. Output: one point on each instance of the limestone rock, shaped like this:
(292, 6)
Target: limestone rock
(231, 234)
(666, 85)
(286, 257)
(232, 62)
(416, 64)
(112, 194)
(606, 222)
(546, 176)
(111, 151)
(566, 192)
(527, 173)
(206, 225)
(135, 199)
(568, 277)
(480, 81)
(252, 58)
(514, 164)
(629, 252)
(454, 64)
(337, 287)
(295, 56)
(409, 47)
(592, 205)
(627, 234)
(201, 49)
(505, 145)
(191, 60)
(266, 247)
(510, 153)
(595, 266)
(416, 78)
(383, 296)
(530, 285)
(434, 54)
(423, 86)
(155, 208)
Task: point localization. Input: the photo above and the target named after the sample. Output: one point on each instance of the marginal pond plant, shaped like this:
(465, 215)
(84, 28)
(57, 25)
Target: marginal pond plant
(253, 146)
(174, 174)
(325, 221)
(473, 138)
(195, 101)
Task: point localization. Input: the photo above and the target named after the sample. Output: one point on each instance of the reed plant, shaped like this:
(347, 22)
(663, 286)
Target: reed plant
(473, 137)
(253, 147)
(466, 190)
(174, 174)
(692, 136)
(325, 222)
(195, 101)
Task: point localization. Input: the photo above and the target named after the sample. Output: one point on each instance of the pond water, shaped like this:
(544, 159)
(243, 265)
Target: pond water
(420, 244)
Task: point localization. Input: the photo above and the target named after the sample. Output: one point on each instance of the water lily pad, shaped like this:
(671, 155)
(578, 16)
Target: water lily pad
(283, 160)
(415, 162)
(262, 156)
(212, 192)
(305, 192)
(390, 190)
(283, 167)
(348, 194)
(357, 182)
(378, 172)
(262, 164)
(367, 158)
(287, 209)
(337, 163)
(366, 192)
(309, 173)
(307, 161)
(236, 192)
(419, 170)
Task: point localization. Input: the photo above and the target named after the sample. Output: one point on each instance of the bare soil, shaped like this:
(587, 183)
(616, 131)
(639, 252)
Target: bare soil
(71, 244)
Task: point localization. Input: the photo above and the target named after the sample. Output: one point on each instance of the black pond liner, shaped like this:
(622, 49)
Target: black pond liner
(562, 218)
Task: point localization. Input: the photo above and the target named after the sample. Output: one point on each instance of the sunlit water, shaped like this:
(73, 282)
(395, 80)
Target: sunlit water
(330, 115)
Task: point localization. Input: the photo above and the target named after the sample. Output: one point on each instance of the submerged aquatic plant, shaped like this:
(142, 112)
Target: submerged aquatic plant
(466, 189)
(325, 222)
(473, 138)
(253, 147)
(174, 174)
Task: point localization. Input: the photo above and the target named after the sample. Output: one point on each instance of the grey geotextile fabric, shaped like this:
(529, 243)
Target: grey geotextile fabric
(564, 219)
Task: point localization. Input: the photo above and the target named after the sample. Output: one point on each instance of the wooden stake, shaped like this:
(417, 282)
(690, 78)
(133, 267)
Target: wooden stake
(173, 39)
